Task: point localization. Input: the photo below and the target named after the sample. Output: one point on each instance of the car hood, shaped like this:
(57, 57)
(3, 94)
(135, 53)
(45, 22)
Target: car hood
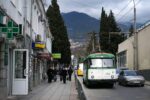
(134, 77)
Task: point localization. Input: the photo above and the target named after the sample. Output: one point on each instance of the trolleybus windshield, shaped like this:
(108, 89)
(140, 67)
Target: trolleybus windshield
(105, 63)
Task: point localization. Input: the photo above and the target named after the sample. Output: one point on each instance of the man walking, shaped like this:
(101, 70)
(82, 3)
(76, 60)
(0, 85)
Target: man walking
(64, 74)
(50, 75)
(70, 71)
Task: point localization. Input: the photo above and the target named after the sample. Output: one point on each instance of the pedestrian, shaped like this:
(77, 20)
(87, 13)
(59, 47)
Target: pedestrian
(55, 74)
(60, 73)
(50, 75)
(64, 74)
(70, 71)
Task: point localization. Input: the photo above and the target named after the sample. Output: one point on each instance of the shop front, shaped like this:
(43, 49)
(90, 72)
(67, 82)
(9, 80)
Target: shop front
(40, 62)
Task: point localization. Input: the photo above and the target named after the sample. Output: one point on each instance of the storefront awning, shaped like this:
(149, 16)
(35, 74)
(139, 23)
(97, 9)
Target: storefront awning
(44, 56)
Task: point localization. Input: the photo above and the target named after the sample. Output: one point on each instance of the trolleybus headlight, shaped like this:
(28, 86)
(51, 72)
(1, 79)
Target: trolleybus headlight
(112, 76)
(92, 76)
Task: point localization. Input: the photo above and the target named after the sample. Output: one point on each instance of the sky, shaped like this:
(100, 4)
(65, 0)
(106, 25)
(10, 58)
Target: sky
(122, 9)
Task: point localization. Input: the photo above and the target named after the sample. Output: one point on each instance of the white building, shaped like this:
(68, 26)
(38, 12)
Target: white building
(25, 45)
(126, 51)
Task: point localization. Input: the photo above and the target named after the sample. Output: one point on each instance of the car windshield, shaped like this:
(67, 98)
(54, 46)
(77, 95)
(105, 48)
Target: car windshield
(130, 73)
(102, 63)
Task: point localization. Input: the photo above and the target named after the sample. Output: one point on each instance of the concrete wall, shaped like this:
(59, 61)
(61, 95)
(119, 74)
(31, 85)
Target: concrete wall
(3, 74)
(143, 51)
(20, 12)
(127, 46)
(144, 48)
(13, 9)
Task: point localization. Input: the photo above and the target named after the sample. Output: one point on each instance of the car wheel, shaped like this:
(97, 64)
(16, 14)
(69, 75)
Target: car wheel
(87, 84)
(124, 84)
(111, 85)
(142, 85)
(119, 83)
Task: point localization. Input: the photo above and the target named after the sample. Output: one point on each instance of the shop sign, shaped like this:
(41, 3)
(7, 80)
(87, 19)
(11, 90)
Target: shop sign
(10, 29)
(39, 45)
(56, 55)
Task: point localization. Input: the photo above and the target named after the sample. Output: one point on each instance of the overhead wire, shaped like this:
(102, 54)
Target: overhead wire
(83, 4)
(123, 16)
(124, 7)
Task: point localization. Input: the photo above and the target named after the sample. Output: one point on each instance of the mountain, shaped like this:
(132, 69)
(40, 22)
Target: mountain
(80, 24)
(126, 25)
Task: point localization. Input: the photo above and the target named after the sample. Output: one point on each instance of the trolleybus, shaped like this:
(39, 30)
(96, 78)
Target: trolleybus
(99, 68)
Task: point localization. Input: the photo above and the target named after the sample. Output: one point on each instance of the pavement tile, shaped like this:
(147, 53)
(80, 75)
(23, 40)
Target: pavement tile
(52, 91)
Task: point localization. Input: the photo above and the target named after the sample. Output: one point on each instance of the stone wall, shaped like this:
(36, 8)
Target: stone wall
(3, 75)
(146, 74)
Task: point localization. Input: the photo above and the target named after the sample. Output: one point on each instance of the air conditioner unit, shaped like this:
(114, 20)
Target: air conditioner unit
(3, 35)
(12, 43)
(41, 18)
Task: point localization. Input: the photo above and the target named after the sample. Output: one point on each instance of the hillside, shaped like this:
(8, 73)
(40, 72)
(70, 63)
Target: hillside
(79, 24)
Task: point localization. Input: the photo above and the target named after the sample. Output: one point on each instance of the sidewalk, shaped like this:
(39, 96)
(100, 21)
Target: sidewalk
(147, 83)
(53, 91)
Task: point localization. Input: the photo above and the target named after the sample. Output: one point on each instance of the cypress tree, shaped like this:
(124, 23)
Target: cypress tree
(115, 37)
(103, 34)
(103, 22)
(108, 40)
(58, 29)
(113, 27)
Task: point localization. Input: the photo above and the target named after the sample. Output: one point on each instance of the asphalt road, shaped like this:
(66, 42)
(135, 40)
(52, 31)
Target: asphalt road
(116, 93)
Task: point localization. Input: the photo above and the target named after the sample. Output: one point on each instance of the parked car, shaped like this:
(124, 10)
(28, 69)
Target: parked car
(119, 69)
(130, 77)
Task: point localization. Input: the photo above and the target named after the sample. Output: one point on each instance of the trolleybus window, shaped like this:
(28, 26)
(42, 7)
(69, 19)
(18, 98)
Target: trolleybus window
(102, 63)
(108, 63)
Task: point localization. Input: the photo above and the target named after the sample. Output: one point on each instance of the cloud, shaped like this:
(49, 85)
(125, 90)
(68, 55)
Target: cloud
(123, 9)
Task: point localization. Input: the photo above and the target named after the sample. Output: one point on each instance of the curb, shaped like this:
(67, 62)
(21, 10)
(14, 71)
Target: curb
(12, 98)
(147, 83)
(80, 89)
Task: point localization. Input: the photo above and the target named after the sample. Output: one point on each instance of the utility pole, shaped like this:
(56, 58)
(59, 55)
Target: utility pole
(93, 41)
(99, 47)
(135, 43)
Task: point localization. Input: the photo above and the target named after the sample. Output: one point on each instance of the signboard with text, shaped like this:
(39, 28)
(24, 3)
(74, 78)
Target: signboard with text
(56, 55)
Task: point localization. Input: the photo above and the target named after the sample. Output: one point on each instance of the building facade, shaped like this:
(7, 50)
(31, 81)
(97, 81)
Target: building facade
(25, 46)
(126, 51)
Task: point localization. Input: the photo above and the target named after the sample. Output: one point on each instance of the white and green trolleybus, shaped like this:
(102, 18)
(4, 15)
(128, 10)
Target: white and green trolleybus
(99, 68)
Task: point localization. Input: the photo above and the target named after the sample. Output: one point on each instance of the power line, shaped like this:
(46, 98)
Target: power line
(84, 4)
(124, 8)
(128, 11)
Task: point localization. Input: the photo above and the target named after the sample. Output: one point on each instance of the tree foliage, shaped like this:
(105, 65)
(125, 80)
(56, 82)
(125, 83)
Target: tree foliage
(104, 22)
(109, 33)
(58, 29)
